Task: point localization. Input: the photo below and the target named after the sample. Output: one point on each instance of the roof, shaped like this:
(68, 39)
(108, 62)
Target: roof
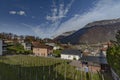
(27, 43)
(40, 45)
(50, 44)
(95, 59)
(36, 43)
(71, 52)
(104, 49)
(43, 46)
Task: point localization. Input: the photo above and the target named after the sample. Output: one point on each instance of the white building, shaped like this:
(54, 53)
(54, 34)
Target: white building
(55, 47)
(3, 47)
(27, 46)
(71, 54)
(1, 44)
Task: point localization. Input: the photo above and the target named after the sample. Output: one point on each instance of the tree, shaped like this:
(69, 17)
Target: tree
(56, 53)
(29, 38)
(17, 48)
(113, 54)
(118, 37)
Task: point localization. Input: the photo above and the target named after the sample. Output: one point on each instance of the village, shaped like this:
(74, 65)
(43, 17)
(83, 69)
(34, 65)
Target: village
(60, 40)
(92, 57)
(89, 60)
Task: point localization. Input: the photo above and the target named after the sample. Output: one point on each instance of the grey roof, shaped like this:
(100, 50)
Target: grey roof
(71, 52)
(95, 59)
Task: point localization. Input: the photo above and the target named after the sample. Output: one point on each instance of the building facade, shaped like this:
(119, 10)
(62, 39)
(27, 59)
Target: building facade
(3, 47)
(71, 54)
(42, 50)
(70, 57)
(27, 46)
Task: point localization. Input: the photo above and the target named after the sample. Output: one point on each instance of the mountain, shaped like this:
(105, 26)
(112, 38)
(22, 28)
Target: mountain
(95, 32)
(63, 35)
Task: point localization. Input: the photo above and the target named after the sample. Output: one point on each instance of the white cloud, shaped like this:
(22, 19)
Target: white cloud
(12, 12)
(48, 29)
(59, 12)
(103, 9)
(76, 15)
(68, 7)
(21, 13)
(43, 30)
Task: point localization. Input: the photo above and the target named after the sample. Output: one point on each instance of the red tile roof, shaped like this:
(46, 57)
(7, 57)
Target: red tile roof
(39, 45)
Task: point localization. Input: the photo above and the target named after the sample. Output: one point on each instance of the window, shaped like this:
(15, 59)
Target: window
(42, 54)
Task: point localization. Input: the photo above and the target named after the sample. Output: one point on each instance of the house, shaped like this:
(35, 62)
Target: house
(104, 51)
(3, 47)
(50, 44)
(55, 47)
(42, 50)
(86, 52)
(8, 41)
(27, 46)
(96, 62)
(71, 54)
(105, 47)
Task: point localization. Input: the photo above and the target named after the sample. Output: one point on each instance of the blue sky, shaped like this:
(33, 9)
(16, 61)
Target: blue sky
(49, 18)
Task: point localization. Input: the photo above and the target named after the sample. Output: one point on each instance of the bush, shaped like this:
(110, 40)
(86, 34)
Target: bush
(17, 48)
(57, 53)
(113, 57)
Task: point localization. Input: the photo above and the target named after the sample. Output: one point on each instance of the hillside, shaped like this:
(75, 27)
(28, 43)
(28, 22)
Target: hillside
(39, 68)
(95, 32)
(63, 35)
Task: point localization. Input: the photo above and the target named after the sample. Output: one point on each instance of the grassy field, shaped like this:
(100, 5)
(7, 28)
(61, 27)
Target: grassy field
(39, 68)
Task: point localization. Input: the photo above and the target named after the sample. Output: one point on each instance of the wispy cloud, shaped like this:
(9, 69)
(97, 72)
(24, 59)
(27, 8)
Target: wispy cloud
(43, 30)
(21, 13)
(103, 9)
(12, 12)
(48, 29)
(59, 12)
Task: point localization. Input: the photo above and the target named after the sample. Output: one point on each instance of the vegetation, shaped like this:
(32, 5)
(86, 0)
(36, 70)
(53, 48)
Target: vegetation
(39, 68)
(15, 38)
(113, 54)
(113, 57)
(57, 53)
(17, 48)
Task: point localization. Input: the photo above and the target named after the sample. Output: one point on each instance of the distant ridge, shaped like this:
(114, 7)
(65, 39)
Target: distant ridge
(95, 32)
(63, 35)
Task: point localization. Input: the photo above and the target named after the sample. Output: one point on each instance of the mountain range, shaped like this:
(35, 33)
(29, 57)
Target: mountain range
(95, 32)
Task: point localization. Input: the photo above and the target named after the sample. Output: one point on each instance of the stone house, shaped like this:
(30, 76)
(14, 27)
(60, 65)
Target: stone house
(42, 50)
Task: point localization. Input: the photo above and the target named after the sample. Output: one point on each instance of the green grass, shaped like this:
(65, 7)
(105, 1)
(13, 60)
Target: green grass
(39, 68)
